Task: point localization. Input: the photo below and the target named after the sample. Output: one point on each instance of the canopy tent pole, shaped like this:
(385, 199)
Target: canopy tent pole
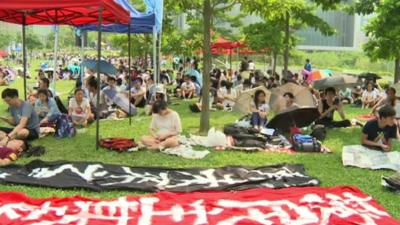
(129, 73)
(82, 74)
(24, 52)
(98, 77)
(55, 56)
(230, 61)
(159, 55)
(155, 54)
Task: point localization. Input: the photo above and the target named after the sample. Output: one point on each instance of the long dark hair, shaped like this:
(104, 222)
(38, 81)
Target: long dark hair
(256, 95)
(391, 100)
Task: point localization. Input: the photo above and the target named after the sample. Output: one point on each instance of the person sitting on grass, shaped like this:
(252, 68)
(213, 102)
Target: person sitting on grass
(327, 108)
(259, 110)
(188, 89)
(46, 107)
(378, 134)
(369, 97)
(226, 96)
(164, 128)
(289, 102)
(390, 100)
(79, 109)
(23, 117)
(138, 94)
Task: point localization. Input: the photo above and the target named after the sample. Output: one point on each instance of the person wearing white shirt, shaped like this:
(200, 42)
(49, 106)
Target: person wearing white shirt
(226, 96)
(165, 128)
(369, 97)
(188, 89)
(79, 109)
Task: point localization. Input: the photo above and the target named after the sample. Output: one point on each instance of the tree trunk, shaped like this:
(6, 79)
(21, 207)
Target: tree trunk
(275, 57)
(287, 39)
(397, 70)
(205, 108)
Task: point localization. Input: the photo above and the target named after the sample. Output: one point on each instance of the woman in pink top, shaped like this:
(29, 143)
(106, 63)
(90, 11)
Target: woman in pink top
(165, 128)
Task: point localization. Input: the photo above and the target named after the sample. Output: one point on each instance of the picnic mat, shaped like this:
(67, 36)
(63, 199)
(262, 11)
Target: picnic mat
(360, 156)
(311, 206)
(101, 177)
(366, 117)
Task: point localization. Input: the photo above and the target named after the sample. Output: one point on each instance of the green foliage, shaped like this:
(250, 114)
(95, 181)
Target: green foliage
(141, 44)
(384, 32)
(33, 41)
(5, 40)
(340, 61)
(268, 34)
(301, 12)
(66, 38)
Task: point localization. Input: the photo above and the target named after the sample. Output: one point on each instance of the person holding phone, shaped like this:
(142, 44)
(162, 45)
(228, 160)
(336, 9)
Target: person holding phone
(23, 117)
(327, 108)
(378, 134)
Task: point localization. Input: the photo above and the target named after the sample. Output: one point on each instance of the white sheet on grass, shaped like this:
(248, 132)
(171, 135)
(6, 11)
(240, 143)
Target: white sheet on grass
(360, 156)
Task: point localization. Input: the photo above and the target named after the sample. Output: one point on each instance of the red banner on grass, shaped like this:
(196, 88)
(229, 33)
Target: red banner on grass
(300, 206)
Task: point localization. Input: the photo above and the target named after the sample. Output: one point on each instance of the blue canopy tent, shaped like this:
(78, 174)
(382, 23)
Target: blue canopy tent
(140, 23)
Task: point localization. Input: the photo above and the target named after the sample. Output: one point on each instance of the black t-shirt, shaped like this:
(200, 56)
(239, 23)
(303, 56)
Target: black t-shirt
(325, 107)
(377, 134)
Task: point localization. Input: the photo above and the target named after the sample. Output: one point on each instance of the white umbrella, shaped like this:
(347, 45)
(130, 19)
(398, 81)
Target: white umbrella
(243, 102)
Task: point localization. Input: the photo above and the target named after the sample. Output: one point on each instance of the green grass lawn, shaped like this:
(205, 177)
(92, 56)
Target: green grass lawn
(326, 167)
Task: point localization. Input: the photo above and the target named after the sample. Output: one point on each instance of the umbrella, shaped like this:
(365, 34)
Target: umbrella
(295, 117)
(342, 81)
(244, 100)
(370, 76)
(105, 67)
(303, 96)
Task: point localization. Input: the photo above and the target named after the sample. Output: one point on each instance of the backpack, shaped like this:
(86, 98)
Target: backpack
(118, 144)
(319, 133)
(65, 128)
(305, 143)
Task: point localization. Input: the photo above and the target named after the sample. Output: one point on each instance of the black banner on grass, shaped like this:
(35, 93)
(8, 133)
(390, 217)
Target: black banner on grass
(101, 177)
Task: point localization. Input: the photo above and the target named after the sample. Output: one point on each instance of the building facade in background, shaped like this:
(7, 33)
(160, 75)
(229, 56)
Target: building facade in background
(349, 31)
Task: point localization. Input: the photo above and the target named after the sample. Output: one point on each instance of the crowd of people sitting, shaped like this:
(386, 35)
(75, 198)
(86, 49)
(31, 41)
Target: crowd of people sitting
(122, 93)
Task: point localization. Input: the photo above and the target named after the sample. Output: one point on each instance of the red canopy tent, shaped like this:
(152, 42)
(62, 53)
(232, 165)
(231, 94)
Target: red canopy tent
(3, 53)
(226, 44)
(64, 12)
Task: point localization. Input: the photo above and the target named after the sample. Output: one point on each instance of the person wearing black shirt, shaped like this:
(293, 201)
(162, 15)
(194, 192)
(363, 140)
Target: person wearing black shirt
(377, 134)
(327, 108)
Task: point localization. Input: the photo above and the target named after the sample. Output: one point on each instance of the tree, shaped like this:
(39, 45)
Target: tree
(292, 13)
(66, 38)
(32, 41)
(5, 40)
(383, 30)
(209, 11)
(267, 35)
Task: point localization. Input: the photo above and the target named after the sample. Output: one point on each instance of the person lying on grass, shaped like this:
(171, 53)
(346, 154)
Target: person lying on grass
(377, 134)
(10, 151)
(23, 117)
(164, 128)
